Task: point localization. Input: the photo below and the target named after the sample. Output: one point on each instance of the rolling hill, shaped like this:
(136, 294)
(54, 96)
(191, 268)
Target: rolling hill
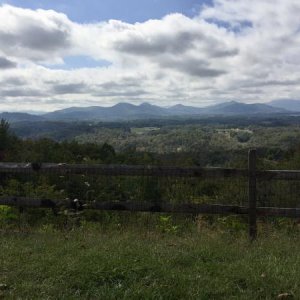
(127, 111)
(14, 117)
(288, 104)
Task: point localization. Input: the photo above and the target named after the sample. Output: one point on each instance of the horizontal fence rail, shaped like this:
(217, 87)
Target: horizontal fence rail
(141, 170)
(278, 174)
(120, 170)
(149, 207)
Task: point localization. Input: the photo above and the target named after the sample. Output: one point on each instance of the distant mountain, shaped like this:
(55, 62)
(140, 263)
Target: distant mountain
(180, 109)
(288, 104)
(20, 117)
(127, 111)
(120, 111)
(237, 108)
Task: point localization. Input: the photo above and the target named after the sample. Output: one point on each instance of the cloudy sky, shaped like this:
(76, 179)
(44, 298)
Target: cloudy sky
(59, 53)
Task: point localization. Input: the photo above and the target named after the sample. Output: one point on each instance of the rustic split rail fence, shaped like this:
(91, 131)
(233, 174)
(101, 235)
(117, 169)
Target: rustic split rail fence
(250, 175)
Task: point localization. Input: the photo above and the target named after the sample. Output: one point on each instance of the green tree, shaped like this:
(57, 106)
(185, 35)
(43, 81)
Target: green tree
(5, 138)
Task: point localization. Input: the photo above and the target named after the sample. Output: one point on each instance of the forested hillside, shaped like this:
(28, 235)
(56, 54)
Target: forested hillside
(213, 141)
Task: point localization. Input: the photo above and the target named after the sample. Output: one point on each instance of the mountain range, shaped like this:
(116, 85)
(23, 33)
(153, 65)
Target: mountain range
(288, 104)
(127, 111)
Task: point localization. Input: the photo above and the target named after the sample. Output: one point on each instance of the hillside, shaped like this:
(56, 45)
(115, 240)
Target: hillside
(119, 111)
(237, 108)
(288, 104)
(127, 111)
(20, 117)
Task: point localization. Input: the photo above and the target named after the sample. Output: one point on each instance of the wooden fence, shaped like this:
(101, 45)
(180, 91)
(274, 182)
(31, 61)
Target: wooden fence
(251, 174)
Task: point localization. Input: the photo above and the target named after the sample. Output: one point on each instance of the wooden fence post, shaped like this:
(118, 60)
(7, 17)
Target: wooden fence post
(252, 193)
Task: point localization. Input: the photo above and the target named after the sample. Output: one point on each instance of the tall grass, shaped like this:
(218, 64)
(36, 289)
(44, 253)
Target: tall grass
(137, 262)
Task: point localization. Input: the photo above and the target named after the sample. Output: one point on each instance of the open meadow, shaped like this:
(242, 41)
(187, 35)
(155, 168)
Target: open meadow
(136, 262)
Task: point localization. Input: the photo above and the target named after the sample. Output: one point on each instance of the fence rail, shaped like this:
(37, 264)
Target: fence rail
(191, 208)
(141, 170)
(251, 174)
(120, 170)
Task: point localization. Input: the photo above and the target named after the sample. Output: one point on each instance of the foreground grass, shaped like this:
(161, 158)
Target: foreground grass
(93, 263)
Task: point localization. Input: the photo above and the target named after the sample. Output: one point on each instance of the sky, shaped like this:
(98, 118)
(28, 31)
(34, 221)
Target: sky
(56, 54)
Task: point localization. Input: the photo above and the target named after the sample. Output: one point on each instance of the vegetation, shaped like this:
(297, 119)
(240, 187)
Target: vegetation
(188, 145)
(195, 138)
(105, 255)
(93, 262)
(206, 141)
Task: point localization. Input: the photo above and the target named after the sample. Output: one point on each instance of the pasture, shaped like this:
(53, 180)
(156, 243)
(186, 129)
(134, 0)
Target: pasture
(138, 262)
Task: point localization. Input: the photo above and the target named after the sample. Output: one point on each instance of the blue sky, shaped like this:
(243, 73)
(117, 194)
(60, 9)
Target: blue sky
(126, 10)
(58, 53)
(129, 11)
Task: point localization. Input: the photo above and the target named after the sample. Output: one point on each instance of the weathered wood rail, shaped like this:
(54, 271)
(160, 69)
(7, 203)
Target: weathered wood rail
(192, 208)
(120, 170)
(251, 174)
(141, 170)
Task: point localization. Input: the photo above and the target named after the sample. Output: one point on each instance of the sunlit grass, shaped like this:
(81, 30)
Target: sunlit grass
(96, 262)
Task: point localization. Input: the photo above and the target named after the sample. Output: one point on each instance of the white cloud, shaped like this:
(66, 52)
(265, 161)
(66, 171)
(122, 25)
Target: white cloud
(234, 49)
(34, 35)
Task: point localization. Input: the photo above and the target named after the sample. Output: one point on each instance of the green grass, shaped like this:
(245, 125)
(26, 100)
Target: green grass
(95, 263)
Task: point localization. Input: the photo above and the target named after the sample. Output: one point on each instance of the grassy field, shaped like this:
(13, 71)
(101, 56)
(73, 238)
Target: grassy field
(97, 263)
